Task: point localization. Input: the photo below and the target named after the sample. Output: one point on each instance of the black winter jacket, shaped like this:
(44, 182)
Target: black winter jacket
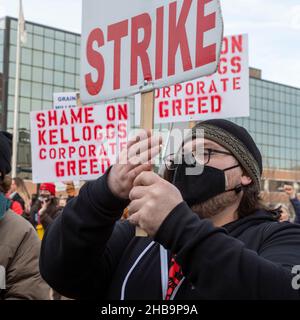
(88, 253)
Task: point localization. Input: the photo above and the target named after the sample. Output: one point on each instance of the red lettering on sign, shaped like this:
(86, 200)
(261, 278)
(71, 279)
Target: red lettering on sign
(63, 119)
(63, 140)
(94, 166)
(139, 49)
(40, 117)
(200, 87)
(189, 106)
(237, 44)
(83, 167)
(59, 172)
(236, 83)
(96, 60)
(163, 113)
(202, 104)
(213, 88)
(204, 55)
(116, 32)
(178, 88)
(176, 106)
(41, 138)
(122, 129)
(73, 135)
(92, 150)
(236, 63)
(52, 118)
(224, 82)
(216, 104)
(189, 89)
(76, 115)
(178, 37)
(42, 154)
(88, 115)
(53, 137)
(159, 42)
(222, 68)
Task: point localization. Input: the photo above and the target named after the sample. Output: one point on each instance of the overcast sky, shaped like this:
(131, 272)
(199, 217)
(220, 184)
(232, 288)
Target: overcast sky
(273, 27)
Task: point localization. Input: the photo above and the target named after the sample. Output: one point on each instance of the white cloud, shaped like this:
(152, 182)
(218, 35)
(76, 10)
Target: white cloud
(294, 17)
(2, 9)
(273, 28)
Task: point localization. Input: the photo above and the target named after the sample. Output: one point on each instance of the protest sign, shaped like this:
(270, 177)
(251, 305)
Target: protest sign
(222, 95)
(77, 143)
(164, 42)
(65, 100)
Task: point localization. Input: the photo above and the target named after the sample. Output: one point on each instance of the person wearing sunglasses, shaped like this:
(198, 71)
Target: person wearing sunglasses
(210, 236)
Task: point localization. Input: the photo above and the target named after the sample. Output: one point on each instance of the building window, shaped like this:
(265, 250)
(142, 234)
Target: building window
(26, 56)
(37, 74)
(59, 63)
(37, 58)
(48, 60)
(49, 45)
(26, 72)
(38, 42)
(58, 78)
(70, 65)
(59, 47)
(25, 89)
(36, 90)
(47, 92)
(48, 76)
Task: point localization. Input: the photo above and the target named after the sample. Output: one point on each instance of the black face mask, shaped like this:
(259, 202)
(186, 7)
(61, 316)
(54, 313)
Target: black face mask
(201, 187)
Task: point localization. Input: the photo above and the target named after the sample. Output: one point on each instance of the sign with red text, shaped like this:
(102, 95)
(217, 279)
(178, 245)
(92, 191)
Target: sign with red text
(65, 100)
(77, 143)
(164, 42)
(222, 95)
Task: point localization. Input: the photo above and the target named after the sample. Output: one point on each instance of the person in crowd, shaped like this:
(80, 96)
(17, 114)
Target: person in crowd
(19, 244)
(19, 193)
(209, 234)
(70, 189)
(15, 206)
(46, 208)
(285, 213)
(290, 191)
(62, 202)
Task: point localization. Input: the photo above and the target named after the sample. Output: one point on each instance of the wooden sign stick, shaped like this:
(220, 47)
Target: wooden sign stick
(147, 122)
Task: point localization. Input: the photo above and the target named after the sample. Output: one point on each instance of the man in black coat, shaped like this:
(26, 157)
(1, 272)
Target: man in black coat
(209, 236)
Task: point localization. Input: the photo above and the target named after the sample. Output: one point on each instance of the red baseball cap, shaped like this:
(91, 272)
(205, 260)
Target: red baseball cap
(48, 187)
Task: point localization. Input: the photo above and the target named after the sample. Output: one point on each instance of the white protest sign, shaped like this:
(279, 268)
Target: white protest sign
(78, 143)
(222, 95)
(65, 100)
(165, 42)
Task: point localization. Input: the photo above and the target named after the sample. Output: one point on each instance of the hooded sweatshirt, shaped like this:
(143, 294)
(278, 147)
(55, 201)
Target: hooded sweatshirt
(87, 253)
(19, 252)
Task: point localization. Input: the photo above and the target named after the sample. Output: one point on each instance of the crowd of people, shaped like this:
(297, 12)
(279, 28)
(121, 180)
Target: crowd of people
(211, 237)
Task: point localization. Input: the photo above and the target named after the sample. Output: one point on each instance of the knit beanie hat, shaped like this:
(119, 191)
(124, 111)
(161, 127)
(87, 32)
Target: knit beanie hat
(48, 187)
(5, 152)
(238, 141)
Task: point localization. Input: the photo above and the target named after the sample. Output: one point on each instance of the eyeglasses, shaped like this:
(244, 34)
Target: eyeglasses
(200, 158)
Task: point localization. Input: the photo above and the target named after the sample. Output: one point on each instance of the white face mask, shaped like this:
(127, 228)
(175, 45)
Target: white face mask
(46, 198)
